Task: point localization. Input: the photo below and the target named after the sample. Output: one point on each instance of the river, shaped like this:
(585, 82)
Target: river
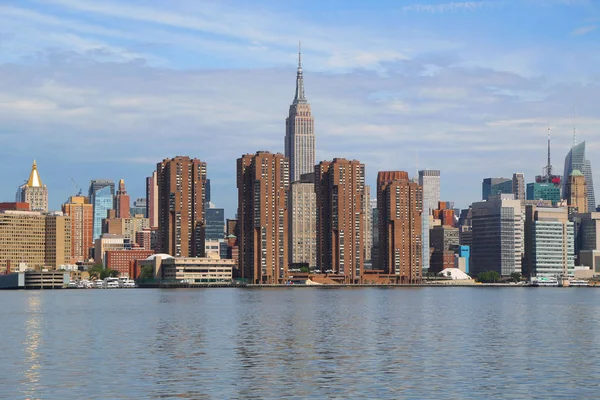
(418, 343)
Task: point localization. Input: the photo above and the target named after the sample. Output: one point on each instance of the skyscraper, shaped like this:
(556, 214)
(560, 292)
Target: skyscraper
(549, 242)
(263, 184)
(152, 200)
(497, 235)
(576, 191)
(82, 223)
(300, 134)
(494, 186)
(215, 224)
(518, 186)
(181, 200)
(122, 201)
(101, 195)
(399, 210)
(429, 180)
(340, 190)
(575, 160)
(34, 192)
(303, 221)
(368, 215)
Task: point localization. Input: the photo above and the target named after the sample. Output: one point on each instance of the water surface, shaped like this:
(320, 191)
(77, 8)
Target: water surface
(443, 343)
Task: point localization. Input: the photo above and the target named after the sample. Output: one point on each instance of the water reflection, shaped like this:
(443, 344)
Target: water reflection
(31, 343)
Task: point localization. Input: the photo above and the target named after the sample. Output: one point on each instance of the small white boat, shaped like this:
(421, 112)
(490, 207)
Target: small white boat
(578, 282)
(111, 283)
(98, 284)
(129, 283)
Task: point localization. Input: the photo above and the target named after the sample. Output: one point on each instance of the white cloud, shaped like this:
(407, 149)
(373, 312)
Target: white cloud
(584, 30)
(447, 7)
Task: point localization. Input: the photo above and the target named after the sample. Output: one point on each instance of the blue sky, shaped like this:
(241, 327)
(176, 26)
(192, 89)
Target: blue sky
(105, 90)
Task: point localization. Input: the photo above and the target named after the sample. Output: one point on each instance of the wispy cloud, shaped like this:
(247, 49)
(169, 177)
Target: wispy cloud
(446, 7)
(584, 30)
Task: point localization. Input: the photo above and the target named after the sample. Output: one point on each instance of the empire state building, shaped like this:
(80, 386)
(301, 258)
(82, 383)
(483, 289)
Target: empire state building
(300, 132)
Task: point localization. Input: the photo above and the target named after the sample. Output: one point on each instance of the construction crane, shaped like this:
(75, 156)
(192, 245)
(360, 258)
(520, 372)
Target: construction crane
(76, 187)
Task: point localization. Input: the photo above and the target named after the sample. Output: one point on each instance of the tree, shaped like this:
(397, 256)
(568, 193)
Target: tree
(488, 277)
(515, 277)
(108, 273)
(147, 272)
(304, 269)
(95, 271)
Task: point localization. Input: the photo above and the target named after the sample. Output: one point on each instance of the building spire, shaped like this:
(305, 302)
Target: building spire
(299, 97)
(34, 177)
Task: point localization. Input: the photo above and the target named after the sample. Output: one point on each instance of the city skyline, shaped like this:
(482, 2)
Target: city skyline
(97, 90)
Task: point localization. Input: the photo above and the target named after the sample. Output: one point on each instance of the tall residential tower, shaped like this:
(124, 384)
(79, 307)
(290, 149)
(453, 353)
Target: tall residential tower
(181, 198)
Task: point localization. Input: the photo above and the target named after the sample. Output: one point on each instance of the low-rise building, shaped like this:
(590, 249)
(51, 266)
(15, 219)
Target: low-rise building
(190, 270)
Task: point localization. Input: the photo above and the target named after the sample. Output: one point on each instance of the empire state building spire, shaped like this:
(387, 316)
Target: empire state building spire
(299, 97)
(299, 131)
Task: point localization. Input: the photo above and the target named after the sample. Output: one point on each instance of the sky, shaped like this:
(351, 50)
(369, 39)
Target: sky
(105, 90)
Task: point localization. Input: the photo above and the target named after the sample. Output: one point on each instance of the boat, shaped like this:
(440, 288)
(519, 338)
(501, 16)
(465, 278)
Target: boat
(578, 282)
(98, 284)
(129, 283)
(544, 281)
(111, 283)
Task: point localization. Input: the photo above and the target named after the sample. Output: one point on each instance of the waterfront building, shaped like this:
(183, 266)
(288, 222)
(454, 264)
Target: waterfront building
(461, 258)
(122, 201)
(442, 239)
(181, 206)
(263, 185)
(215, 223)
(120, 260)
(35, 239)
(299, 132)
(518, 186)
(576, 192)
(139, 207)
(429, 180)
(495, 186)
(399, 210)
(302, 210)
(549, 242)
(544, 191)
(34, 192)
(340, 191)
(82, 224)
(189, 270)
(152, 200)
(101, 195)
(497, 229)
(575, 160)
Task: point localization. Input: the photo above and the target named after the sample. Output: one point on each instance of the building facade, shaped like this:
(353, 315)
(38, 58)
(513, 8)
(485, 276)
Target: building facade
(300, 133)
(82, 224)
(399, 210)
(101, 195)
(575, 160)
(443, 239)
(576, 192)
(495, 186)
(549, 242)
(518, 186)
(181, 202)
(122, 201)
(34, 239)
(429, 180)
(34, 192)
(544, 191)
(152, 200)
(215, 223)
(263, 185)
(302, 210)
(340, 193)
(497, 241)
(120, 260)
